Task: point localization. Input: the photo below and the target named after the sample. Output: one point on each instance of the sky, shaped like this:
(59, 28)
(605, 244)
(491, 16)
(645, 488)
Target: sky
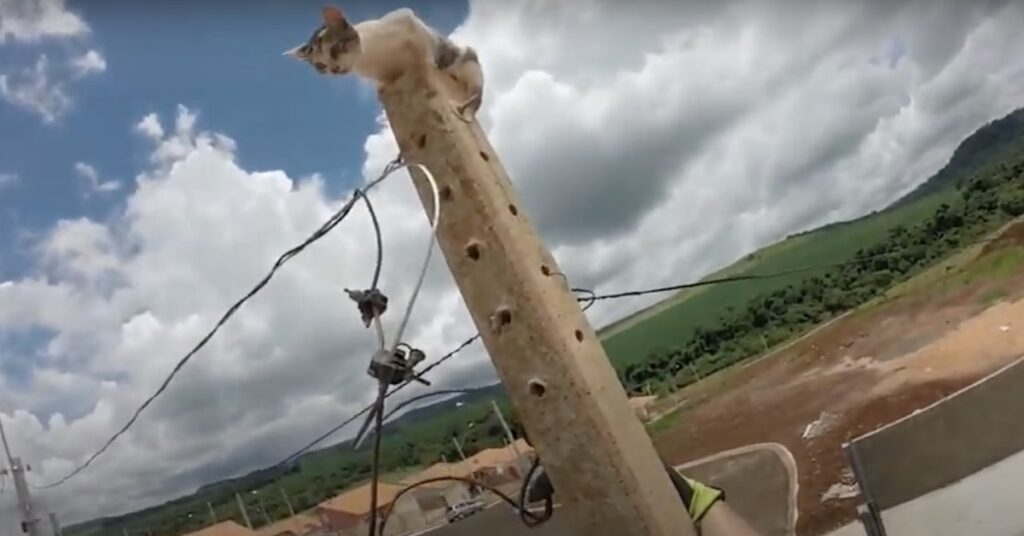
(157, 158)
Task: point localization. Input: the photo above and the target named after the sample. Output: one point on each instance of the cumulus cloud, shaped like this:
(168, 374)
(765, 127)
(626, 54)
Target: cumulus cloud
(34, 90)
(710, 130)
(150, 127)
(114, 304)
(39, 89)
(94, 184)
(716, 128)
(32, 20)
(92, 62)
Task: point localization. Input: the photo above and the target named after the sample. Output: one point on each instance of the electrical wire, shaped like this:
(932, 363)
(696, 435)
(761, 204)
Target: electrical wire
(423, 396)
(753, 277)
(501, 495)
(434, 220)
(380, 258)
(335, 429)
(533, 520)
(324, 229)
(590, 299)
(378, 411)
(375, 459)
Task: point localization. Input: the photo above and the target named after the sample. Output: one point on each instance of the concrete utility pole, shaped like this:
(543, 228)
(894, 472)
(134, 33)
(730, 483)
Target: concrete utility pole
(287, 502)
(559, 379)
(511, 439)
(55, 524)
(245, 514)
(16, 469)
(213, 515)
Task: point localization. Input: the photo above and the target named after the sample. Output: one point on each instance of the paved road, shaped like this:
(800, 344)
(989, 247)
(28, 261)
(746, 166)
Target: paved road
(501, 520)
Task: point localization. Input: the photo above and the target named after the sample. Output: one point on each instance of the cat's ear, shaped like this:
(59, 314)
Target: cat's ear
(300, 52)
(334, 18)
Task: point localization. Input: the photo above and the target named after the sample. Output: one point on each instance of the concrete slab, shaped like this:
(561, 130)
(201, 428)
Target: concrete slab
(760, 482)
(986, 503)
(945, 442)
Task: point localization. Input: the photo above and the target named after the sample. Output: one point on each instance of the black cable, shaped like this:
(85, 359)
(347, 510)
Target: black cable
(324, 229)
(590, 300)
(533, 520)
(377, 233)
(591, 297)
(375, 460)
(329, 225)
(431, 394)
(293, 456)
(752, 277)
(501, 495)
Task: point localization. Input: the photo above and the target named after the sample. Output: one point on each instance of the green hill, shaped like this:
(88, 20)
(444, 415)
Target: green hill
(706, 329)
(711, 327)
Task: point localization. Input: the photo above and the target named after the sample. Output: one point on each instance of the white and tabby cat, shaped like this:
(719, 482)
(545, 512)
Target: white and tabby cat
(381, 49)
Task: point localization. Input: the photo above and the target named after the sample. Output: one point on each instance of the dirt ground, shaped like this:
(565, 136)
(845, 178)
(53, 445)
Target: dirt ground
(865, 370)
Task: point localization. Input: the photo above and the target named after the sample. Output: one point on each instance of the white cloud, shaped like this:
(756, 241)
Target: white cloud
(94, 184)
(712, 130)
(150, 127)
(36, 92)
(32, 20)
(92, 62)
(37, 89)
(124, 299)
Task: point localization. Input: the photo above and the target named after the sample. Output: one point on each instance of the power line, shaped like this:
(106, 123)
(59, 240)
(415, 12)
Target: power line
(752, 277)
(324, 229)
(322, 437)
(592, 298)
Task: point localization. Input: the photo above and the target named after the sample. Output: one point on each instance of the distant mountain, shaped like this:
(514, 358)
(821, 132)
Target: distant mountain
(989, 145)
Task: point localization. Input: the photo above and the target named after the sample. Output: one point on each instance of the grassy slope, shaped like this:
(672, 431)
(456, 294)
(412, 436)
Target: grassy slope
(688, 310)
(977, 265)
(671, 321)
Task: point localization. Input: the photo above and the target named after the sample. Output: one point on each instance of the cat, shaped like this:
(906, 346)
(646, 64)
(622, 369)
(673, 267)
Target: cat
(379, 50)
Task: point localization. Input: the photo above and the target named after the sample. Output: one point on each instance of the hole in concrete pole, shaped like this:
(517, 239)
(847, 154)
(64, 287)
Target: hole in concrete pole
(545, 270)
(504, 317)
(422, 141)
(473, 251)
(579, 335)
(446, 193)
(537, 388)
(484, 156)
(513, 210)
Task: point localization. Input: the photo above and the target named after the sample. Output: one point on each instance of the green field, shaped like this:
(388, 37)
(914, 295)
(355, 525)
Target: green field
(708, 329)
(702, 307)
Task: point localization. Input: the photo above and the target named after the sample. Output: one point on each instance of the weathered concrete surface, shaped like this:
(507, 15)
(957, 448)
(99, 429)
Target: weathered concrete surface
(986, 503)
(760, 483)
(947, 441)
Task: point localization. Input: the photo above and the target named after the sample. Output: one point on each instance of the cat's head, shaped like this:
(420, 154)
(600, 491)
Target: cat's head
(334, 46)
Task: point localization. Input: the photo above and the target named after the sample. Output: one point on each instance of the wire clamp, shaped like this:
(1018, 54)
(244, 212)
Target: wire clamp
(397, 367)
(372, 303)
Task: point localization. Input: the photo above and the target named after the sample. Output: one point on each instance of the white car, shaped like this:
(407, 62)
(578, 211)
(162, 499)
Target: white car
(463, 509)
